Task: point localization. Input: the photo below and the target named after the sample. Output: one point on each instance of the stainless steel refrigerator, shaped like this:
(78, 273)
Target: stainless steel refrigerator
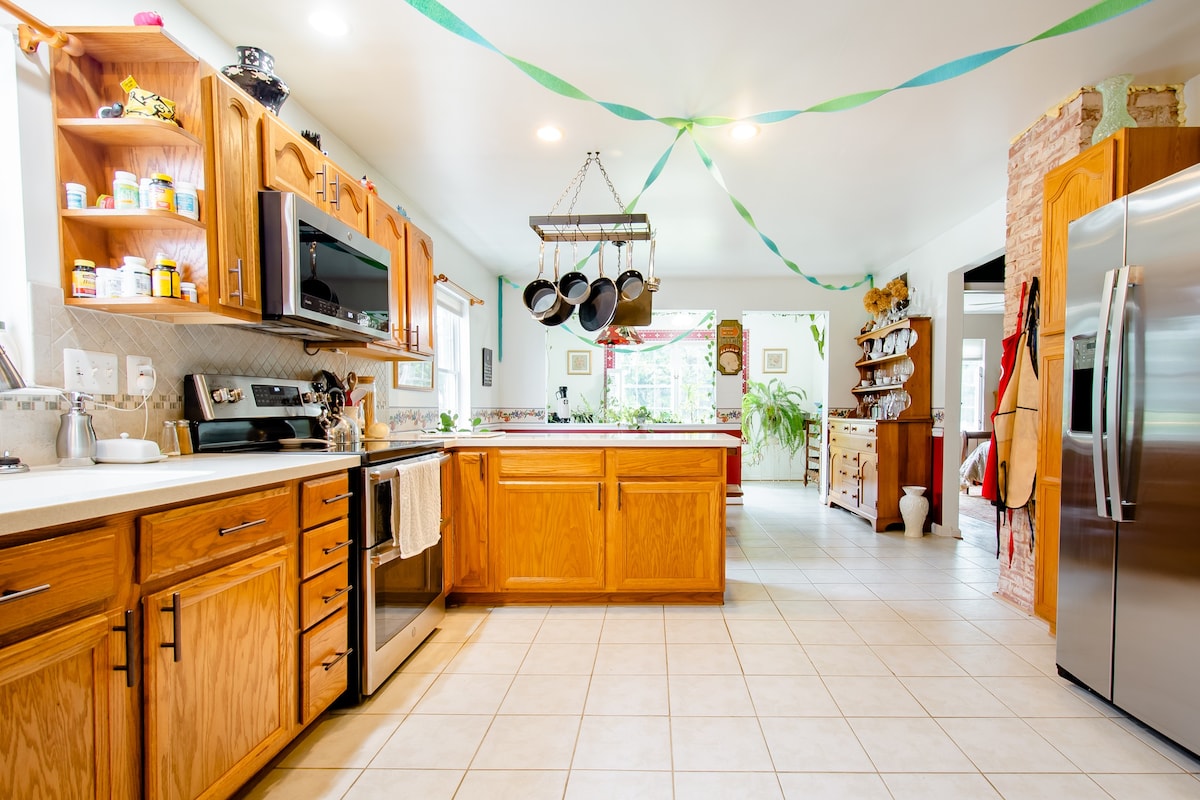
(1129, 546)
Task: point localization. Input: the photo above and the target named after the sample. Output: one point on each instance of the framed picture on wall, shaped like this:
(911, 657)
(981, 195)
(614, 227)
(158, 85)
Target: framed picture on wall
(774, 359)
(579, 362)
(413, 375)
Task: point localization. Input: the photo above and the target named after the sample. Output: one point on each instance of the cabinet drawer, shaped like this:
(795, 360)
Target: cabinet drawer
(661, 462)
(324, 499)
(43, 580)
(839, 427)
(323, 661)
(862, 429)
(323, 547)
(550, 463)
(850, 442)
(176, 540)
(324, 594)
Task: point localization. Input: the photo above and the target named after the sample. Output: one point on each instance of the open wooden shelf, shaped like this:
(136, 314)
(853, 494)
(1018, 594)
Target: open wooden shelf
(130, 132)
(131, 219)
(886, 329)
(867, 362)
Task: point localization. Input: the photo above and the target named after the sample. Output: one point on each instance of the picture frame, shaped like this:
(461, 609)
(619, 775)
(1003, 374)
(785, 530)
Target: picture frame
(774, 359)
(486, 371)
(415, 375)
(579, 362)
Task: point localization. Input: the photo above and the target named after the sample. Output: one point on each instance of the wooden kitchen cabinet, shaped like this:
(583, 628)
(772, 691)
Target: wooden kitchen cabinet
(661, 539)
(291, 164)
(1126, 161)
(220, 676)
(471, 522)
(419, 290)
(871, 459)
(233, 283)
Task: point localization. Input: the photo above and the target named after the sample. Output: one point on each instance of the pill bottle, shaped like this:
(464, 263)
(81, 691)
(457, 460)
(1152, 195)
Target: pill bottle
(108, 282)
(83, 278)
(125, 190)
(188, 290)
(186, 202)
(144, 193)
(135, 277)
(163, 278)
(162, 192)
(76, 195)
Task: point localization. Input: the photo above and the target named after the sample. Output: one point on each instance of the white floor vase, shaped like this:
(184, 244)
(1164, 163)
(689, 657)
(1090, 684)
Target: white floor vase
(914, 507)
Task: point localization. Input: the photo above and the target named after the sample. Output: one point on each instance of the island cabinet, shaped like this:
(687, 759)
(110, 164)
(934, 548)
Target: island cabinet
(549, 519)
(589, 524)
(291, 164)
(1128, 160)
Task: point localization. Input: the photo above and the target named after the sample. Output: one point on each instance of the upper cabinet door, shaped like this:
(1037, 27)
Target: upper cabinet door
(347, 198)
(385, 226)
(291, 164)
(420, 291)
(232, 199)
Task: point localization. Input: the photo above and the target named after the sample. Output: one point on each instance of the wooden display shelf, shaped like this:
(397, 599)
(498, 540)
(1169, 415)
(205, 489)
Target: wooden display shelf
(129, 132)
(867, 362)
(132, 219)
(166, 306)
(890, 387)
(886, 329)
(136, 43)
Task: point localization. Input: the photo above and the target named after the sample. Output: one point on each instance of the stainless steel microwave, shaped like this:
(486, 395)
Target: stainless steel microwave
(321, 279)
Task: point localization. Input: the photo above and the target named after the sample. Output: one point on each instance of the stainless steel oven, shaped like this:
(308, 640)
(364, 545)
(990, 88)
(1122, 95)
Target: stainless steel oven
(402, 599)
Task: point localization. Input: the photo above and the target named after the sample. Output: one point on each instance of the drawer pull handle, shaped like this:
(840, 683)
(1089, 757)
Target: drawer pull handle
(336, 497)
(242, 527)
(336, 594)
(335, 548)
(9, 596)
(176, 611)
(340, 656)
(130, 650)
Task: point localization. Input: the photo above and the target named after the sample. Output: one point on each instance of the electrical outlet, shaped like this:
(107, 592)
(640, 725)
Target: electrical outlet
(137, 367)
(87, 371)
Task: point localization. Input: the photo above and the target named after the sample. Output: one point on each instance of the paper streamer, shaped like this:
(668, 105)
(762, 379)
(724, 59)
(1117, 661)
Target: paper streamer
(1099, 13)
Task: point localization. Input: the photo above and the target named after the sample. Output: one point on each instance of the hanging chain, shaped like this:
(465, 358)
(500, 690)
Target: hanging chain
(611, 188)
(577, 182)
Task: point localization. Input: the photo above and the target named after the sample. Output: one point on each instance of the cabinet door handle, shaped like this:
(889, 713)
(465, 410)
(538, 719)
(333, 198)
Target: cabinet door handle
(324, 183)
(417, 337)
(335, 548)
(242, 527)
(130, 650)
(9, 596)
(336, 595)
(238, 294)
(481, 468)
(618, 497)
(330, 665)
(336, 202)
(176, 611)
(336, 497)
(599, 489)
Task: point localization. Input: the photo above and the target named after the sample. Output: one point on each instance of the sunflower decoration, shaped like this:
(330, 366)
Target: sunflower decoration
(898, 289)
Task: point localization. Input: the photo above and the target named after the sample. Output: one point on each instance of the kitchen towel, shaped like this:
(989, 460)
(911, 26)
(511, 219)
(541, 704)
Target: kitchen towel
(419, 506)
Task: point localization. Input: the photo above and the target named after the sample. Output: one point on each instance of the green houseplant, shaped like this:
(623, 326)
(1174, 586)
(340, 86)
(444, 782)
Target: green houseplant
(772, 414)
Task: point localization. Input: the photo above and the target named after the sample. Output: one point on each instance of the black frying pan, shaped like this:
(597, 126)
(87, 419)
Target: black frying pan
(540, 295)
(630, 282)
(601, 306)
(574, 286)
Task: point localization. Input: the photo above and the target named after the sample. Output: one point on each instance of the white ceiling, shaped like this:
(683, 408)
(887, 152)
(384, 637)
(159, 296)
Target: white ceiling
(453, 123)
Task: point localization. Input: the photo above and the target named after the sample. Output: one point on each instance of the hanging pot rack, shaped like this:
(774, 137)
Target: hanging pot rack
(570, 227)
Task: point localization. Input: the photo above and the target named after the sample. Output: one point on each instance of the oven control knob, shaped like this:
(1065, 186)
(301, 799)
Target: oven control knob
(220, 395)
(309, 397)
(236, 395)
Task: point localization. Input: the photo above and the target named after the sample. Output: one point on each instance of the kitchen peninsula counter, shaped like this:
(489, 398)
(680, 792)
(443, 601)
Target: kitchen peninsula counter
(588, 518)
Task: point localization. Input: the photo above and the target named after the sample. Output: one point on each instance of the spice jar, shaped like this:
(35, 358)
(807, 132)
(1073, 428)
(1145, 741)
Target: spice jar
(164, 279)
(83, 278)
(168, 441)
(184, 434)
(162, 192)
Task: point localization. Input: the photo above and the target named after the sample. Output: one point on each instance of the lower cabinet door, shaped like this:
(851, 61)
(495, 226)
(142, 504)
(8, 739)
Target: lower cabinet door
(220, 676)
(54, 714)
(869, 493)
(668, 535)
(552, 535)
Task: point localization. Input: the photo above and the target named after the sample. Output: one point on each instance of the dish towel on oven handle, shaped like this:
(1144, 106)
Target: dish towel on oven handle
(418, 507)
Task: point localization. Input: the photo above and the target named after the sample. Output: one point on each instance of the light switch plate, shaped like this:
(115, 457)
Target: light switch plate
(91, 372)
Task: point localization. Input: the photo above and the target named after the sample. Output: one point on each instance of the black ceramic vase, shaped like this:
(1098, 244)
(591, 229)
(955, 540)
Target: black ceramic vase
(255, 73)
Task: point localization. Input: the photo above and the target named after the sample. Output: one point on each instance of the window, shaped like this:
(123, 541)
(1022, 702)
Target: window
(971, 411)
(451, 340)
(671, 374)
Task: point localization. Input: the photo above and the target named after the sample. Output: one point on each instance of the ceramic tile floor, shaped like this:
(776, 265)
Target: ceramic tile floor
(844, 664)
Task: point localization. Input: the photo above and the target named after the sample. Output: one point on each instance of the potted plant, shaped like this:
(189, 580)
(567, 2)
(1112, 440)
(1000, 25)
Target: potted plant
(772, 414)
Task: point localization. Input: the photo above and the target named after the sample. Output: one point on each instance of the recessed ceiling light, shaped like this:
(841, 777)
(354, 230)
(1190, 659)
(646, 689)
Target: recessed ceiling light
(328, 22)
(549, 133)
(744, 130)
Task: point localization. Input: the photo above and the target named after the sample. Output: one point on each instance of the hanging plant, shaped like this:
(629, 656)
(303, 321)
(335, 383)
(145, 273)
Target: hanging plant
(772, 414)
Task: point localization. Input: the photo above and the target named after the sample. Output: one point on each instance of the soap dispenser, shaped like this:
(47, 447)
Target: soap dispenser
(76, 443)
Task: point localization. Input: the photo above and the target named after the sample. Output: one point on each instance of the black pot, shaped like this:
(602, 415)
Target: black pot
(574, 286)
(630, 284)
(255, 73)
(601, 305)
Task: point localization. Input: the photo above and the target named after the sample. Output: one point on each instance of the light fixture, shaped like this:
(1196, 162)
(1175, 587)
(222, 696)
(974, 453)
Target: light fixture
(549, 133)
(744, 130)
(619, 335)
(328, 21)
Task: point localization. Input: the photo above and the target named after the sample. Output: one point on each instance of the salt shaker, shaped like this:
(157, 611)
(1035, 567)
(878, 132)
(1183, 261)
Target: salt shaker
(168, 442)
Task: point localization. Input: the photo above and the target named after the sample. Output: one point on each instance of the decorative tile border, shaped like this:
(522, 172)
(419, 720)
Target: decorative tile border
(729, 414)
(939, 417)
(510, 414)
(842, 413)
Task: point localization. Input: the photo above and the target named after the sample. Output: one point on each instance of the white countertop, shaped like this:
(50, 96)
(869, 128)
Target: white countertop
(515, 439)
(55, 495)
(601, 427)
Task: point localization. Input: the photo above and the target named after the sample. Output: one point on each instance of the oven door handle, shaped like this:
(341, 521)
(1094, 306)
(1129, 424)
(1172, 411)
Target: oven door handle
(387, 555)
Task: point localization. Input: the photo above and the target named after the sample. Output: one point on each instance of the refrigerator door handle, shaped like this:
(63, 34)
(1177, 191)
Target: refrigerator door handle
(1113, 395)
(1099, 394)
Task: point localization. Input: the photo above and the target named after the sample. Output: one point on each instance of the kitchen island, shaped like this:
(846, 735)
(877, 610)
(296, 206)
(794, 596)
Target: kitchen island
(588, 518)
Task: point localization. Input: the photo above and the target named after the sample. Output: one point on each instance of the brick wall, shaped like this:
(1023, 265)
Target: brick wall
(1055, 138)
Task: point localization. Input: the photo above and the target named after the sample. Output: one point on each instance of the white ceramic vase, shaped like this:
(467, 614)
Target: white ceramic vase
(914, 507)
